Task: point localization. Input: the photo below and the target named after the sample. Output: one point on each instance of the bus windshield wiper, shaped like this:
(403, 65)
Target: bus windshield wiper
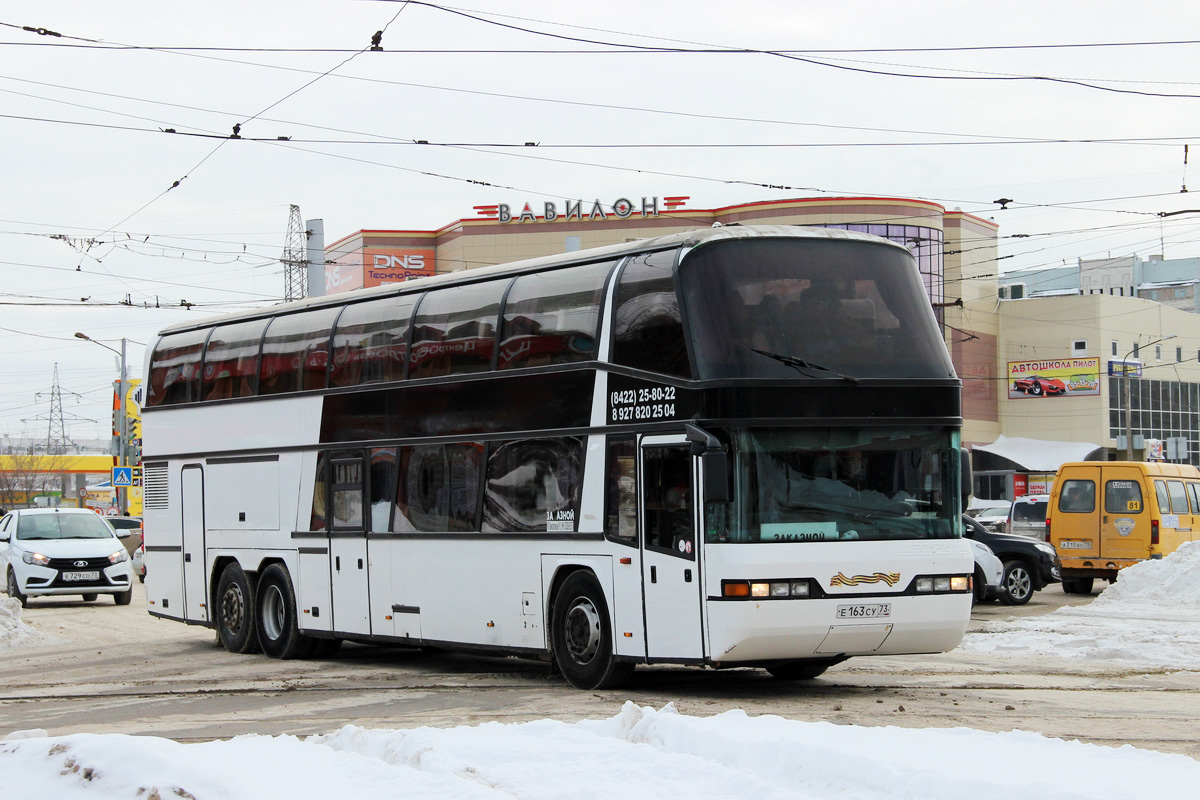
(801, 365)
(866, 514)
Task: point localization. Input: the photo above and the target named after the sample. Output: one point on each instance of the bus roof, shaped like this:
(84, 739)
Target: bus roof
(689, 239)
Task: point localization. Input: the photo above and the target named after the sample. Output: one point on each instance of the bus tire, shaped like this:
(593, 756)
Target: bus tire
(799, 670)
(1017, 585)
(581, 635)
(1077, 585)
(235, 611)
(278, 631)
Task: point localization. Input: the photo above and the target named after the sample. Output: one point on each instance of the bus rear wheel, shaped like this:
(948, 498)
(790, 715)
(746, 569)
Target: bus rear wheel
(581, 636)
(278, 631)
(235, 611)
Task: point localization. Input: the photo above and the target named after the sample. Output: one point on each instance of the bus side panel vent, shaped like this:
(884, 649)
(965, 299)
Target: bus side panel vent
(154, 486)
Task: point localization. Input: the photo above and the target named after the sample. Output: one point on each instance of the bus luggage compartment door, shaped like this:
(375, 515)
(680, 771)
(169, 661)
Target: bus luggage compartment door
(195, 573)
(351, 598)
(671, 581)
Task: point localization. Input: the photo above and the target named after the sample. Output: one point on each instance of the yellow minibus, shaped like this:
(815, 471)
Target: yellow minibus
(1108, 515)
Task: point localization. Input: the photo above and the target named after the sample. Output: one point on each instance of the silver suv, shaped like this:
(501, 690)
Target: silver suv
(1027, 517)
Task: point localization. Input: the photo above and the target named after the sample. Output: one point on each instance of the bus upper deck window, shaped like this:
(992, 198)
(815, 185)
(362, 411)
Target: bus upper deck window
(370, 341)
(175, 368)
(296, 352)
(454, 331)
(231, 361)
(552, 317)
(647, 325)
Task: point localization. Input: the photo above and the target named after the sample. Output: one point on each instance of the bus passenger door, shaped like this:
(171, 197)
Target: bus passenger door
(671, 585)
(195, 571)
(348, 544)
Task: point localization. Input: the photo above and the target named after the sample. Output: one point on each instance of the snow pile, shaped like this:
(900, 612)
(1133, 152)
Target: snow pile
(1173, 582)
(640, 753)
(15, 634)
(1149, 618)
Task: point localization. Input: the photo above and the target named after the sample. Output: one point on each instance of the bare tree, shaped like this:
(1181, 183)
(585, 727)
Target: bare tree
(24, 476)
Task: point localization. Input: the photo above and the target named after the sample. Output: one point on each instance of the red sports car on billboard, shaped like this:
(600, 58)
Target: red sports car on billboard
(1039, 386)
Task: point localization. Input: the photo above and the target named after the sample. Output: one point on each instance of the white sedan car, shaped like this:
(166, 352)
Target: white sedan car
(57, 551)
(989, 571)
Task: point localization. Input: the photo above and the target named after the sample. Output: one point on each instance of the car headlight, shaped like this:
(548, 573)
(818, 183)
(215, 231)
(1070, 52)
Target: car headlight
(1045, 548)
(118, 557)
(36, 558)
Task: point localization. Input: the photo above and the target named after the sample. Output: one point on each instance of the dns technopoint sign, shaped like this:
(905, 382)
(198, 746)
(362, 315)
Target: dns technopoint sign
(377, 266)
(396, 266)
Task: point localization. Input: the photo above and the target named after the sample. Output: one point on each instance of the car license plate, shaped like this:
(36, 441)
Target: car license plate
(93, 575)
(864, 611)
(1086, 544)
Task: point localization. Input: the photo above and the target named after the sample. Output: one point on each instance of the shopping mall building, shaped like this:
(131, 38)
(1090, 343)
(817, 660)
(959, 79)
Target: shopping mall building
(1042, 376)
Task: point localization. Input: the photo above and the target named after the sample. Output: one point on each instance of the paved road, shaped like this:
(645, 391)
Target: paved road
(116, 669)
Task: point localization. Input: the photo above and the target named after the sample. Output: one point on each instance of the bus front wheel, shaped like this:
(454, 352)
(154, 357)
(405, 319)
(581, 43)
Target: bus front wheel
(235, 611)
(278, 632)
(582, 638)
(799, 670)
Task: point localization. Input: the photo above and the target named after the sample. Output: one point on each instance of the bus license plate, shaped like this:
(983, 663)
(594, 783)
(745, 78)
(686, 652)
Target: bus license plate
(1084, 545)
(864, 611)
(94, 575)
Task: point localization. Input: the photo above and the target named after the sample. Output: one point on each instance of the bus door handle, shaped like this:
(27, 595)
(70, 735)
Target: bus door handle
(687, 576)
(360, 563)
(654, 574)
(337, 563)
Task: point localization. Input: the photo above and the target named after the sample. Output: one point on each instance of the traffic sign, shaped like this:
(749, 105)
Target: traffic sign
(122, 476)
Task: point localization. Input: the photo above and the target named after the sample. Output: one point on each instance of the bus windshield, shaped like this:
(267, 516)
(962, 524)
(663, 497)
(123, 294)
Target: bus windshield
(841, 485)
(815, 308)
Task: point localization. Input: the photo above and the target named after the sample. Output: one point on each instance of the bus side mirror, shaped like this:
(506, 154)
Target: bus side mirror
(716, 476)
(712, 458)
(966, 482)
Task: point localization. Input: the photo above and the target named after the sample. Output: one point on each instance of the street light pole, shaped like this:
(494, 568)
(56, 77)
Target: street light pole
(122, 419)
(1129, 395)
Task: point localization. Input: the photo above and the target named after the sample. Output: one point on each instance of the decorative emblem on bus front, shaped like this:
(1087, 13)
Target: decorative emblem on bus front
(890, 578)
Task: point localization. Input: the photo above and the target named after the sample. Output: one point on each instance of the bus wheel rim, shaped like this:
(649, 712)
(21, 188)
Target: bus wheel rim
(583, 631)
(273, 612)
(233, 607)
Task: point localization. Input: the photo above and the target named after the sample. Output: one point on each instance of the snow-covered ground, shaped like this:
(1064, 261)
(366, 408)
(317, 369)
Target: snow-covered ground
(1151, 617)
(640, 753)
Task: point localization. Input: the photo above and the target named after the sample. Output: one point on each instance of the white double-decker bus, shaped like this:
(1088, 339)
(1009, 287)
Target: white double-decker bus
(732, 447)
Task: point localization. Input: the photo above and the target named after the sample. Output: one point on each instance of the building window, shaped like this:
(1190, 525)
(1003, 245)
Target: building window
(1114, 349)
(1078, 347)
(1135, 349)
(1178, 354)
(1158, 352)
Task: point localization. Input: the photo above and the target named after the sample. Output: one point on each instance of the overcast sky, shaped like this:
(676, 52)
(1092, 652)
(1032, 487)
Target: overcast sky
(930, 100)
